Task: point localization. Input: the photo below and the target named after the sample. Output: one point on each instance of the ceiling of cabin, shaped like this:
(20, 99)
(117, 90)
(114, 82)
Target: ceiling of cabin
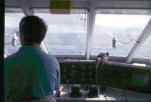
(137, 4)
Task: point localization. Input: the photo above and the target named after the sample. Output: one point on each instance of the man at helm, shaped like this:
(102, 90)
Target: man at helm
(30, 74)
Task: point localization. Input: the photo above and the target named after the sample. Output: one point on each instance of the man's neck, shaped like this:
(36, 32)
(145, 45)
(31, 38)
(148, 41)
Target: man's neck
(33, 45)
(36, 45)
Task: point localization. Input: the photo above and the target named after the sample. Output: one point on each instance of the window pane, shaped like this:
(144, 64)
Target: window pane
(11, 31)
(121, 29)
(145, 50)
(66, 33)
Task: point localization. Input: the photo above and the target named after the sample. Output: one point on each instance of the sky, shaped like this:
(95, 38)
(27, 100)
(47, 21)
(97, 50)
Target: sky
(121, 20)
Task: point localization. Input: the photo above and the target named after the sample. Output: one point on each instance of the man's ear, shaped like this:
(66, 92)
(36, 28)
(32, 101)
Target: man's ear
(21, 39)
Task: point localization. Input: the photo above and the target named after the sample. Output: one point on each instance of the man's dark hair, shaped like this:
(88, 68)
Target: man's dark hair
(33, 29)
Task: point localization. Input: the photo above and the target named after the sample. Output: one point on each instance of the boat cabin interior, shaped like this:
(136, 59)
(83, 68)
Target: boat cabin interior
(80, 33)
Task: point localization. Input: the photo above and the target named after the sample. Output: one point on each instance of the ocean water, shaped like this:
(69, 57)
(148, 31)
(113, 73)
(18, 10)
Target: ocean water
(73, 44)
(67, 34)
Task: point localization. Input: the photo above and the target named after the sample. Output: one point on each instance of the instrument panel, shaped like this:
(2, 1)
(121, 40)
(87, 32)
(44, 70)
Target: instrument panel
(78, 73)
(107, 74)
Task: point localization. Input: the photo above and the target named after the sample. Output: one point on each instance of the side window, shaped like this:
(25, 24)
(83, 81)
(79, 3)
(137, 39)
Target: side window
(12, 42)
(117, 33)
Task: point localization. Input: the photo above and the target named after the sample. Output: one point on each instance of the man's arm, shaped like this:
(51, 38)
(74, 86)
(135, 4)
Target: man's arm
(47, 99)
(57, 85)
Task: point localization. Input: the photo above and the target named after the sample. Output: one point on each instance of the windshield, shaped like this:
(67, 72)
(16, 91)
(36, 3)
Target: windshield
(66, 33)
(117, 34)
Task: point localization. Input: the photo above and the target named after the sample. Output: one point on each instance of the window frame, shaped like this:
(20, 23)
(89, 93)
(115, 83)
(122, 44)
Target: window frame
(105, 10)
(73, 11)
(121, 11)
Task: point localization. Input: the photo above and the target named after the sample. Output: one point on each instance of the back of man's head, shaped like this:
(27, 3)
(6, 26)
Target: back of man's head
(32, 30)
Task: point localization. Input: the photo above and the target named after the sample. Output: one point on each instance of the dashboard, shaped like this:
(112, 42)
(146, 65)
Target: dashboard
(112, 74)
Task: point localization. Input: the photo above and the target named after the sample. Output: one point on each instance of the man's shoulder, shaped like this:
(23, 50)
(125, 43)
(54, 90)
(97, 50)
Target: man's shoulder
(10, 57)
(9, 61)
(52, 60)
(49, 57)
(52, 57)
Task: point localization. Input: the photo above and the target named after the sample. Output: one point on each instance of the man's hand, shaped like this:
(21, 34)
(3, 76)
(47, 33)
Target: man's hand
(48, 99)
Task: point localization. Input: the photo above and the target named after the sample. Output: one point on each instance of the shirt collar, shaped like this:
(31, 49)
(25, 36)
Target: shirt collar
(29, 47)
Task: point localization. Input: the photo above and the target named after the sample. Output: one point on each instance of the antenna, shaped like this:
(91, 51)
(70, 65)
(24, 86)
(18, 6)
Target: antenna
(14, 39)
(113, 42)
